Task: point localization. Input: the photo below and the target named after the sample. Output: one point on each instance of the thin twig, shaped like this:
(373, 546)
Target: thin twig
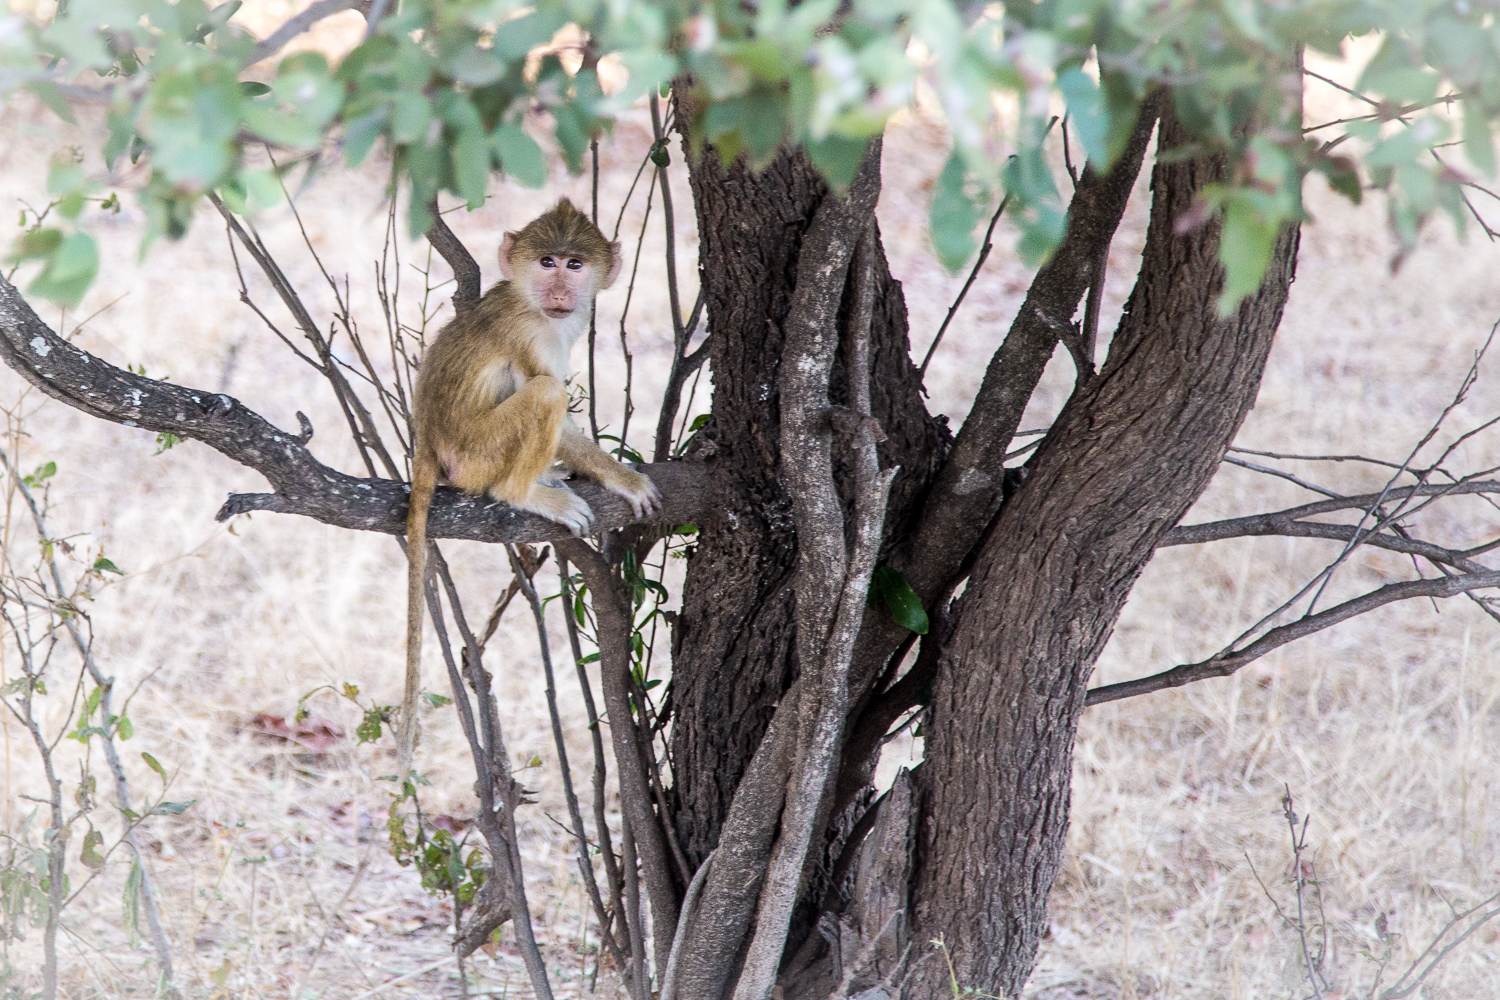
(158, 933)
(503, 805)
(984, 253)
(1225, 663)
(523, 581)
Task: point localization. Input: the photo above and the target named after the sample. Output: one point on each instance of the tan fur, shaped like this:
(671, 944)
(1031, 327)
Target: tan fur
(491, 405)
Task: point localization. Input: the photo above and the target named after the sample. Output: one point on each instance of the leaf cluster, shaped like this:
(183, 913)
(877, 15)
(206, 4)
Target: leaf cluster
(453, 90)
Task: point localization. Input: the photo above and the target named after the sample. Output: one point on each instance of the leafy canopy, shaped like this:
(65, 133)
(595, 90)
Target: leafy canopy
(444, 85)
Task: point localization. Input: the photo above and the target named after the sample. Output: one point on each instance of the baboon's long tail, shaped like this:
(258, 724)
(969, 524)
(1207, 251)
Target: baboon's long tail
(423, 481)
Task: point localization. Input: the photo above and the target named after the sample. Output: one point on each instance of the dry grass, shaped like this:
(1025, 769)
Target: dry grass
(1382, 728)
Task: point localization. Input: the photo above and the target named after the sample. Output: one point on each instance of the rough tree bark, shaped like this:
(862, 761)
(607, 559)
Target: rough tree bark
(1130, 452)
(733, 646)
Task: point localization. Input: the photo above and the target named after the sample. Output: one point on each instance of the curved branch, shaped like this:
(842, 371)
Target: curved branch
(465, 268)
(1226, 663)
(302, 484)
(1193, 533)
(1273, 524)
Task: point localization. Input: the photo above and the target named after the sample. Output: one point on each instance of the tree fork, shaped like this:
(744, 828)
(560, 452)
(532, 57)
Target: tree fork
(965, 497)
(1124, 460)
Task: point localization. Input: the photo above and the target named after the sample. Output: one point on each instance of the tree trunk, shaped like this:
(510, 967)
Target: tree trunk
(733, 653)
(1130, 452)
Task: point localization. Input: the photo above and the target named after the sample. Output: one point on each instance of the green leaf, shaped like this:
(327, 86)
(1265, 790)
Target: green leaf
(125, 728)
(1407, 84)
(38, 244)
(1087, 114)
(103, 565)
(360, 135)
(251, 88)
(1244, 249)
(954, 216)
(171, 808)
(52, 96)
(65, 177)
(410, 116)
(900, 600)
(470, 152)
(155, 765)
(1479, 145)
(90, 855)
(69, 271)
(42, 473)
(436, 700)
(1343, 177)
(838, 158)
(369, 729)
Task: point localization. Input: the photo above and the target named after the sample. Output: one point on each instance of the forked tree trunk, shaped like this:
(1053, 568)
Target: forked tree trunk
(1127, 456)
(1131, 451)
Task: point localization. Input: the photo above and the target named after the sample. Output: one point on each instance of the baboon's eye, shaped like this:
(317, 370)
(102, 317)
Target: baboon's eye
(574, 264)
(549, 262)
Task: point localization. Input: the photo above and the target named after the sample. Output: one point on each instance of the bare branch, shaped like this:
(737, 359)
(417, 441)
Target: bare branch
(984, 255)
(1226, 663)
(1251, 525)
(522, 579)
(298, 25)
(614, 614)
(465, 269)
(1269, 524)
(111, 752)
(601, 826)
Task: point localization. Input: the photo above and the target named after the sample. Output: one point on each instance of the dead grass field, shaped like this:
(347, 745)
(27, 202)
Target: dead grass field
(276, 883)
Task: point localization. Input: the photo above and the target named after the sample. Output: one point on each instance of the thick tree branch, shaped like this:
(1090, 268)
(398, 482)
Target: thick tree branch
(1125, 459)
(967, 492)
(834, 577)
(1227, 662)
(465, 268)
(302, 484)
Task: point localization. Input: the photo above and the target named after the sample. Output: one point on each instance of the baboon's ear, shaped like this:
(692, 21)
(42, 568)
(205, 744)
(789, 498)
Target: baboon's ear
(507, 269)
(614, 267)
